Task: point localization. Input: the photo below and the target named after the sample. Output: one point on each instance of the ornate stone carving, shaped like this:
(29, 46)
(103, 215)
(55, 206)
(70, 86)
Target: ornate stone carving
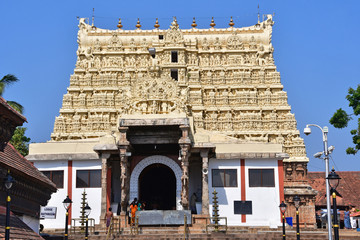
(227, 82)
(234, 42)
(174, 35)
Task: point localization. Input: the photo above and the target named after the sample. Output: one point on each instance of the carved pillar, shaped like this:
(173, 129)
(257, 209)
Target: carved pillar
(205, 184)
(124, 178)
(123, 146)
(185, 144)
(104, 168)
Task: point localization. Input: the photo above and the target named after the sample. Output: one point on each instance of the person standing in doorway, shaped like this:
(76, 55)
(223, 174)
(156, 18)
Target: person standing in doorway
(133, 209)
(193, 200)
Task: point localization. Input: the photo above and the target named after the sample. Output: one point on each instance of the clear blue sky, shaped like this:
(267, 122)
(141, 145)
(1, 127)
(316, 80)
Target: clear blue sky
(316, 51)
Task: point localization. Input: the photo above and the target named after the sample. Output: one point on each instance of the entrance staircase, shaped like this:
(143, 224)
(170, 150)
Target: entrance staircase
(195, 233)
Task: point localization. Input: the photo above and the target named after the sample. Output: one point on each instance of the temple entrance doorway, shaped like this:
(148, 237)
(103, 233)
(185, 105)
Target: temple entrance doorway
(157, 187)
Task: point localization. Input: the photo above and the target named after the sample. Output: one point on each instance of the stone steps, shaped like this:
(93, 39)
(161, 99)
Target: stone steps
(198, 233)
(275, 235)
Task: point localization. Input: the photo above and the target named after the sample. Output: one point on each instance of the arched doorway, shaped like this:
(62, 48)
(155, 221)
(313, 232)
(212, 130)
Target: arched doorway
(157, 187)
(155, 159)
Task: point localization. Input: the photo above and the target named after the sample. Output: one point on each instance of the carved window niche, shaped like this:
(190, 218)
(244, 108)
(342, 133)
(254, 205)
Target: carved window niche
(174, 56)
(174, 73)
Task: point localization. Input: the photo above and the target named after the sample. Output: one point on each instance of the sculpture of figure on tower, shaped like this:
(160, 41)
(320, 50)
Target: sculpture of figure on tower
(267, 96)
(132, 45)
(260, 56)
(154, 107)
(205, 44)
(97, 45)
(252, 43)
(217, 44)
(144, 45)
(164, 107)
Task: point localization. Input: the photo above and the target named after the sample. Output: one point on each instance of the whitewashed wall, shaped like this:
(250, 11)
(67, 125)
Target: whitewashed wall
(265, 200)
(93, 194)
(58, 197)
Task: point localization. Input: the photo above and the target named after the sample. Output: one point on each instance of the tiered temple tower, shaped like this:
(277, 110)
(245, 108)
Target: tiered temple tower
(223, 80)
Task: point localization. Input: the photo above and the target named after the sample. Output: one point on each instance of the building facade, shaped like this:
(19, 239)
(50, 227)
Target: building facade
(31, 189)
(162, 114)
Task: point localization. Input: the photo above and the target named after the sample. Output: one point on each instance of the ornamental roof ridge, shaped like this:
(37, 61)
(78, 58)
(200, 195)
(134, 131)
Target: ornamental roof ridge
(267, 23)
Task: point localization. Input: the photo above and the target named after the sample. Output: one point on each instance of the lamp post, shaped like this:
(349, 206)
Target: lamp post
(325, 130)
(282, 207)
(334, 180)
(8, 181)
(87, 213)
(297, 205)
(67, 202)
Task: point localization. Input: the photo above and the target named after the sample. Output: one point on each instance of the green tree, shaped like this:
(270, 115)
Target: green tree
(20, 141)
(341, 118)
(6, 81)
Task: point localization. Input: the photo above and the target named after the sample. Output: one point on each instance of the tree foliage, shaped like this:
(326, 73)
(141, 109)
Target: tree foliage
(5, 82)
(341, 118)
(20, 141)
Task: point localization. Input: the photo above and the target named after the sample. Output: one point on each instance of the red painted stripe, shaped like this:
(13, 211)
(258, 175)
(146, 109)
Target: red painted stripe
(70, 187)
(281, 181)
(242, 186)
(108, 188)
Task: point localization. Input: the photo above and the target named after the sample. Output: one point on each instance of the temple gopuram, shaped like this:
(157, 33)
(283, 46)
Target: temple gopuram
(167, 116)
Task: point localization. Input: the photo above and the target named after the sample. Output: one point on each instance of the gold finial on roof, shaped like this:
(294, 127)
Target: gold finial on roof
(194, 23)
(231, 23)
(174, 19)
(258, 13)
(157, 23)
(212, 24)
(119, 24)
(138, 26)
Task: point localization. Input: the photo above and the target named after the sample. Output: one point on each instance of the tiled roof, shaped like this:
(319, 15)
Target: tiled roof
(348, 188)
(13, 160)
(20, 117)
(18, 229)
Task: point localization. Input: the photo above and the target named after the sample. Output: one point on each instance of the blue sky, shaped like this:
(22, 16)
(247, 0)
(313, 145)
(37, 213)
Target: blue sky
(316, 52)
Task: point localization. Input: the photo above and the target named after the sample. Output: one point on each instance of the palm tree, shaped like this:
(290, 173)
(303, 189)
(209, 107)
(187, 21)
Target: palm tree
(6, 81)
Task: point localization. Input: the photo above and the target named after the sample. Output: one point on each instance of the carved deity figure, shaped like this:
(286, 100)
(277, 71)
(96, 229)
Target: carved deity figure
(97, 45)
(234, 42)
(252, 43)
(217, 44)
(132, 45)
(205, 44)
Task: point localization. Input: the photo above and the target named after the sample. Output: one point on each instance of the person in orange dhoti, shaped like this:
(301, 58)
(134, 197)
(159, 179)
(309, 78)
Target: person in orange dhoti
(133, 209)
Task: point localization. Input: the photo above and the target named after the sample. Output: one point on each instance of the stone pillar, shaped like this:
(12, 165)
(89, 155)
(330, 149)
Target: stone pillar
(123, 145)
(185, 144)
(185, 154)
(124, 179)
(205, 184)
(104, 168)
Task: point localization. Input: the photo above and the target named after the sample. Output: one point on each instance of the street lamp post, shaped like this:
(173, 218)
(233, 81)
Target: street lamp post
(282, 210)
(334, 180)
(297, 205)
(8, 180)
(87, 213)
(325, 130)
(67, 202)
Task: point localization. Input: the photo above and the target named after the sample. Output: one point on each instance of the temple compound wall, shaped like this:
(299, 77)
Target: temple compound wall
(163, 114)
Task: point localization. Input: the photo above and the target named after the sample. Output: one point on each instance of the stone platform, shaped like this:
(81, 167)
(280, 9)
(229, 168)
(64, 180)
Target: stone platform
(163, 217)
